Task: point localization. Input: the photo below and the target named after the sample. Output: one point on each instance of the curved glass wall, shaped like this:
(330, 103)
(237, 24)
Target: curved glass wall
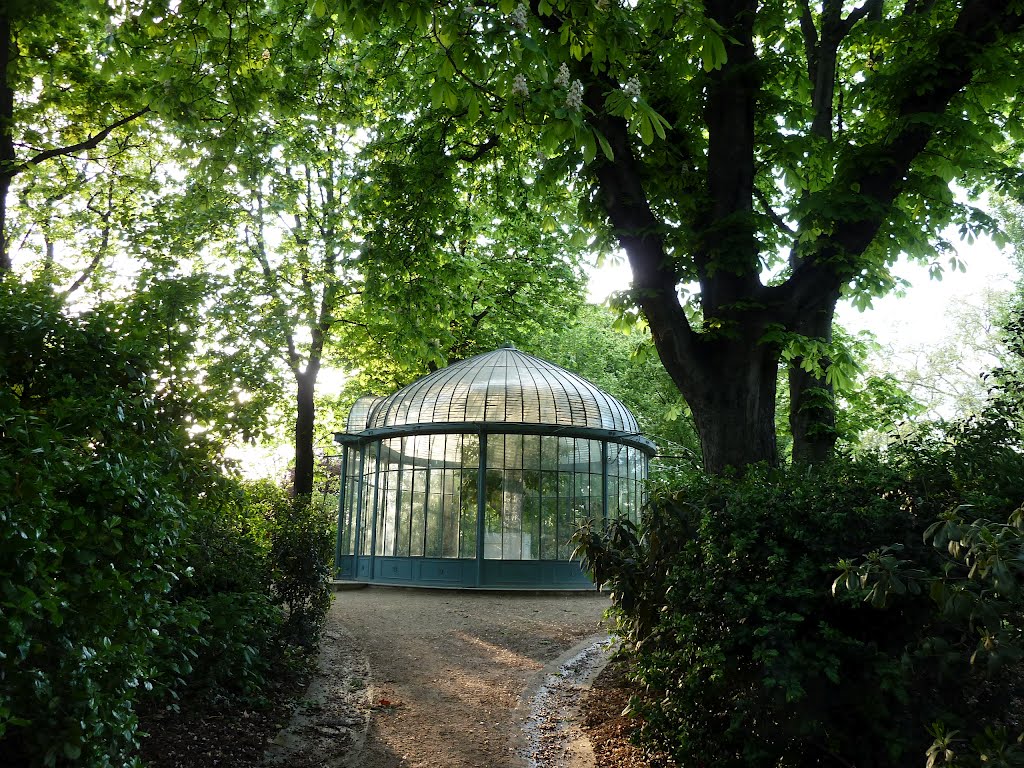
(482, 503)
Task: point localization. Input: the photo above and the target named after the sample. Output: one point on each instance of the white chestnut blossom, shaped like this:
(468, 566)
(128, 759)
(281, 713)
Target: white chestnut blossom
(519, 87)
(632, 88)
(518, 17)
(562, 80)
(574, 98)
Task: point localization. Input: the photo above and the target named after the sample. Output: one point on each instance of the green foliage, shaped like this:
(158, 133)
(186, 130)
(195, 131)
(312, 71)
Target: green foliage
(723, 598)
(93, 462)
(130, 566)
(255, 596)
(753, 648)
(301, 551)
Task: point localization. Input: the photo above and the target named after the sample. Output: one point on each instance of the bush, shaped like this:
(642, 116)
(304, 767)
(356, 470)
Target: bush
(255, 595)
(747, 657)
(91, 519)
(129, 564)
(226, 637)
(301, 554)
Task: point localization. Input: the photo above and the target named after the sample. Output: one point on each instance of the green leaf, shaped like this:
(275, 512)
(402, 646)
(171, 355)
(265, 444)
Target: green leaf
(589, 146)
(646, 129)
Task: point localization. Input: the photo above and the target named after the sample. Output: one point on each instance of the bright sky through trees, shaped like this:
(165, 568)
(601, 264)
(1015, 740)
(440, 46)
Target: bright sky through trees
(915, 319)
(920, 317)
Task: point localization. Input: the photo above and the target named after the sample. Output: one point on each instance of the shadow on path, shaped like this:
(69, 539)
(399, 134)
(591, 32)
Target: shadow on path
(448, 669)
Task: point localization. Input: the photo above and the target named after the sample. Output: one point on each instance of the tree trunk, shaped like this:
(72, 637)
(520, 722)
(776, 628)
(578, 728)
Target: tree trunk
(7, 155)
(733, 404)
(812, 415)
(305, 416)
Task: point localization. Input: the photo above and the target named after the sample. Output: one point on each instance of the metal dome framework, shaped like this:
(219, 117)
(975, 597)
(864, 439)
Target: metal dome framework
(478, 474)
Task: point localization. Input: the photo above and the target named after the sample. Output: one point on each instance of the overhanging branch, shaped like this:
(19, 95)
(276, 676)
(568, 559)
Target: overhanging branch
(90, 143)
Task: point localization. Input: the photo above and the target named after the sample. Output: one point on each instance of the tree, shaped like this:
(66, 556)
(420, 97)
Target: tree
(86, 88)
(714, 137)
(350, 225)
(56, 103)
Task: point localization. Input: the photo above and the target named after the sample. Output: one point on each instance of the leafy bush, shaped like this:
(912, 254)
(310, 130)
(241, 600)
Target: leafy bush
(129, 564)
(226, 637)
(92, 457)
(747, 657)
(301, 553)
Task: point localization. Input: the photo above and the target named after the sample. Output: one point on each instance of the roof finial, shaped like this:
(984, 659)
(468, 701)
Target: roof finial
(507, 345)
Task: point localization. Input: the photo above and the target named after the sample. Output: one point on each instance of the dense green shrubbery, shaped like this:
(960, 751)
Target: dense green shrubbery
(91, 519)
(750, 658)
(129, 565)
(301, 551)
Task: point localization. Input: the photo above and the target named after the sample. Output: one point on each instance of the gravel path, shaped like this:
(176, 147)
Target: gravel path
(450, 674)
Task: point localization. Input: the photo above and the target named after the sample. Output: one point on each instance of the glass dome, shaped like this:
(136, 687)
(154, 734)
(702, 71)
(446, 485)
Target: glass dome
(505, 385)
(478, 474)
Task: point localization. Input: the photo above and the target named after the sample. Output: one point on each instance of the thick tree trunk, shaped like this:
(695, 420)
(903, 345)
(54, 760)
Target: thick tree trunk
(305, 418)
(6, 135)
(734, 407)
(812, 415)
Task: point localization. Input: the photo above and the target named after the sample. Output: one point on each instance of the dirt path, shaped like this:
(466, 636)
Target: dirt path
(448, 670)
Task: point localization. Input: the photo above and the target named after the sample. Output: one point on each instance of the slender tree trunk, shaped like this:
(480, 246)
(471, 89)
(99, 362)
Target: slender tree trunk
(6, 135)
(305, 418)
(812, 415)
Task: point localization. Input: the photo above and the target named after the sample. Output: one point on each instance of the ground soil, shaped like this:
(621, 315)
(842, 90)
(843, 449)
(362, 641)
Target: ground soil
(608, 729)
(423, 678)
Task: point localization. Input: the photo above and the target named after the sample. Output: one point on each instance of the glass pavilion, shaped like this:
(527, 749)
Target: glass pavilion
(478, 474)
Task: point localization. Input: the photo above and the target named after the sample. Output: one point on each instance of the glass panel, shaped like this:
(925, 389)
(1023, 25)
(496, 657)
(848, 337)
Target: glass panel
(614, 504)
(370, 493)
(512, 496)
(403, 520)
(549, 517)
(469, 456)
(387, 509)
(450, 522)
(418, 500)
(531, 528)
(565, 527)
(435, 521)
(492, 512)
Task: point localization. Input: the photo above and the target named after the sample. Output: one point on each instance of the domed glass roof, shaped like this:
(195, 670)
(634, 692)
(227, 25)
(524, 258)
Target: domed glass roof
(503, 386)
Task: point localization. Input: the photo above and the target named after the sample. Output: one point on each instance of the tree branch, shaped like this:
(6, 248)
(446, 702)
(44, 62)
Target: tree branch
(91, 143)
(880, 170)
(772, 214)
(481, 149)
(810, 34)
(869, 8)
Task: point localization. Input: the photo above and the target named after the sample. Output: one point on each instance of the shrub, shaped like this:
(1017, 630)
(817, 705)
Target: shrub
(255, 596)
(745, 654)
(129, 564)
(226, 637)
(301, 553)
(91, 519)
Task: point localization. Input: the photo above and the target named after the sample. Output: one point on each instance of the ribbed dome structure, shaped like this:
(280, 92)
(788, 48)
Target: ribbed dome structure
(503, 386)
(478, 475)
